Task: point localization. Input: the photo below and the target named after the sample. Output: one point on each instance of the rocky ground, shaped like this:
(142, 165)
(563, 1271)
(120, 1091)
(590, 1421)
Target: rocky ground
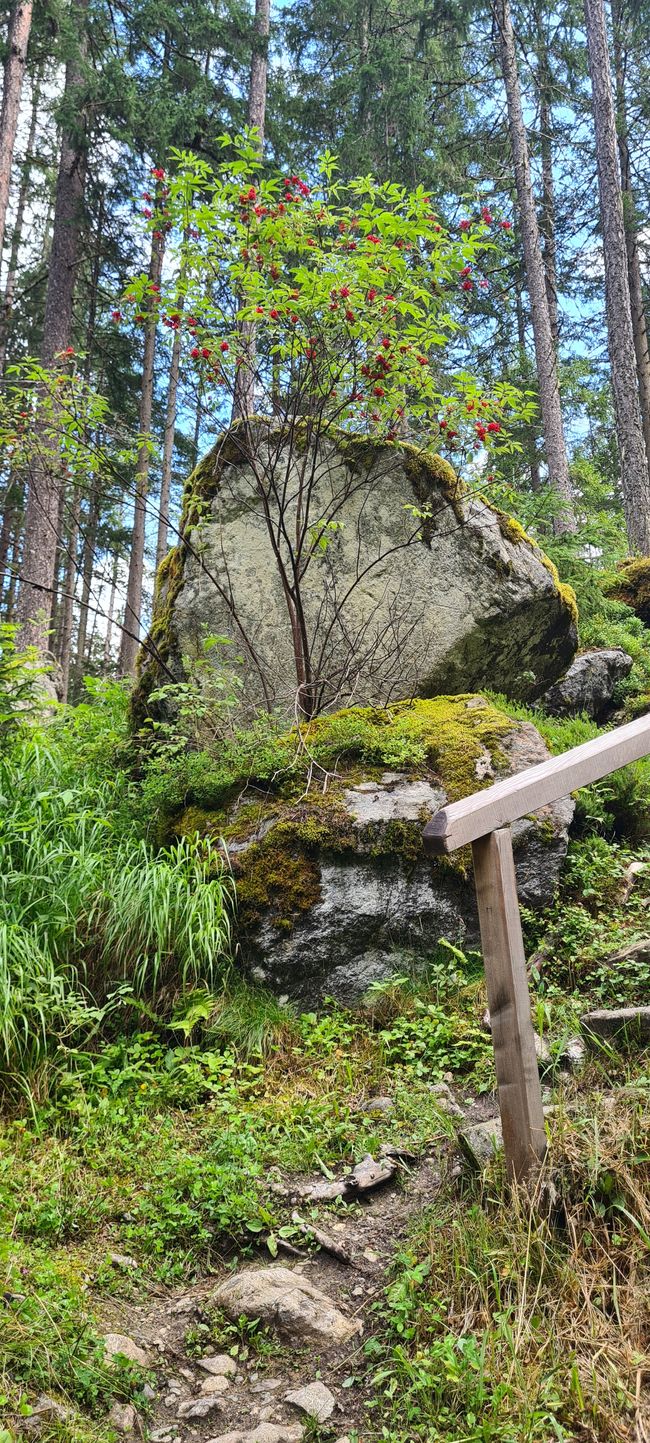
(315, 1307)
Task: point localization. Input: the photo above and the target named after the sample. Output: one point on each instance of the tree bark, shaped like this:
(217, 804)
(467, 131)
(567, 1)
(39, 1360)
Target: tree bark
(17, 233)
(547, 212)
(133, 607)
(635, 484)
(639, 324)
(87, 568)
(64, 638)
(14, 567)
(170, 432)
(45, 481)
(244, 395)
(545, 357)
(14, 70)
(108, 637)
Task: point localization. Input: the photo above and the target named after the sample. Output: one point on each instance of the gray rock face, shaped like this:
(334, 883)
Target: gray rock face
(314, 1399)
(480, 1142)
(371, 909)
(617, 1025)
(392, 604)
(588, 685)
(288, 1301)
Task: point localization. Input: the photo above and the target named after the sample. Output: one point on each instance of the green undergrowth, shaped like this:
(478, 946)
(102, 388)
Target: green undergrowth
(618, 807)
(164, 1145)
(505, 1322)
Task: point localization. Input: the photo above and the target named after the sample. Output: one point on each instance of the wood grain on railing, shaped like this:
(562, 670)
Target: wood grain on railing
(482, 820)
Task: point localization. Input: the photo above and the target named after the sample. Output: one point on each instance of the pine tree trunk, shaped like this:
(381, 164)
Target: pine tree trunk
(546, 363)
(110, 614)
(170, 433)
(133, 608)
(45, 482)
(629, 430)
(639, 324)
(244, 396)
(14, 567)
(87, 568)
(64, 638)
(14, 70)
(17, 233)
(11, 510)
(547, 218)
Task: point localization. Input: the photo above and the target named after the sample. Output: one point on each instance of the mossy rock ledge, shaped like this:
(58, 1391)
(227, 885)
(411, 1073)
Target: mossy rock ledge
(631, 585)
(333, 884)
(411, 584)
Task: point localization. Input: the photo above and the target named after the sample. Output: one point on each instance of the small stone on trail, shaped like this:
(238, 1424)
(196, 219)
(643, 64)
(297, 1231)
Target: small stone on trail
(218, 1384)
(619, 1024)
(199, 1407)
(121, 1260)
(219, 1364)
(315, 1400)
(446, 1100)
(542, 1052)
(480, 1142)
(264, 1433)
(46, 1411)
(573, 1053)
(123, 1417)
(282, 1297)
(378, 1105)
(118, 1344)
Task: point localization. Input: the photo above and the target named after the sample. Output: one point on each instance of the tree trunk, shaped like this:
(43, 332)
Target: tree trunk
(547, 213)
(168, 443)
(17, 233)
(14, 567)
(546, 362)
(133, 608)
(64, 638)
(45, 482)
(629, 430)
(14, 70)
(11, 511)
(639, 325)
(87, 567)
(244, 396)
(110, 615)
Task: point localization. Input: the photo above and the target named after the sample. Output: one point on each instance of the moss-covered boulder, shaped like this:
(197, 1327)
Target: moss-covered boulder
(631, 585)
(327, 852)
(368, 565)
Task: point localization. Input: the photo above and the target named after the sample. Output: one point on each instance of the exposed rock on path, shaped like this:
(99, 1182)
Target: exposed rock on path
(289, 1302)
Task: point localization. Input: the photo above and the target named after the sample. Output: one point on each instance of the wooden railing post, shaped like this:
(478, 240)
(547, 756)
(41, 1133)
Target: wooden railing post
(520, 1093)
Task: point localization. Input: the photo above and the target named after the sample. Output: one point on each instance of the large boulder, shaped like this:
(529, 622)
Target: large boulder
(401, 581)
(588, 686)
(332, 880)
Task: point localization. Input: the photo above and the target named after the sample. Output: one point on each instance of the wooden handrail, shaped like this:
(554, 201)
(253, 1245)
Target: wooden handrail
(462, 822)
(482, 820)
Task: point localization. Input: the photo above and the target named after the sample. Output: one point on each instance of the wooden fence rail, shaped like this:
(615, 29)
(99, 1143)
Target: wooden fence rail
(482, 820)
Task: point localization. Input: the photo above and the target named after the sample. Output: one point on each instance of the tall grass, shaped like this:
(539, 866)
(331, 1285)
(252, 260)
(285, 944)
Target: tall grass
(86, 904)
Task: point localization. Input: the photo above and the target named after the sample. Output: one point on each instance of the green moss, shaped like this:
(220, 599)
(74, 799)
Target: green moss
(631, 585)
(513, 531)
(277, 874)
